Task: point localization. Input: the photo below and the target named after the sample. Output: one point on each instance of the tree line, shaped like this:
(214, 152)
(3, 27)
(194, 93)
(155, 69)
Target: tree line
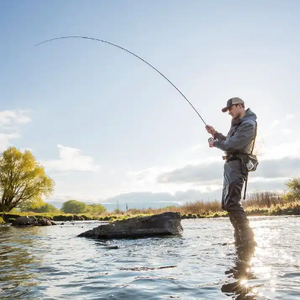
(68, 207)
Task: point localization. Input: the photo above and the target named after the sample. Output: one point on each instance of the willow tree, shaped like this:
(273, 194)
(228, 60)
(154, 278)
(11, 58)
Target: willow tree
(22, 179)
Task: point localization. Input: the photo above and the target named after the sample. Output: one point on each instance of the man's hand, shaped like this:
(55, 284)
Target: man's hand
(211, 142)
(210, 130)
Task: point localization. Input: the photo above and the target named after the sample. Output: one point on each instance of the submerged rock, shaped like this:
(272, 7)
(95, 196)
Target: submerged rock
(164, 224)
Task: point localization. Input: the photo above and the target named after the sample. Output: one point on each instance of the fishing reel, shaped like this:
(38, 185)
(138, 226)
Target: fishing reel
(211, 139)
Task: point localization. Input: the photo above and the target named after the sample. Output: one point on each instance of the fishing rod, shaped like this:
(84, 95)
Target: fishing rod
(122, 48)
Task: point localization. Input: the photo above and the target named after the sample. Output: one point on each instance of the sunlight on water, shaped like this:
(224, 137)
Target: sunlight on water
(52, 263)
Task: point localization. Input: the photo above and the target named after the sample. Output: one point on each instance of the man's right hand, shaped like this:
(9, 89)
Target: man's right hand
(210, 130)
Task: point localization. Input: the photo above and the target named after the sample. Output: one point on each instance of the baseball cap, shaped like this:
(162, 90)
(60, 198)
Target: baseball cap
(232, 101)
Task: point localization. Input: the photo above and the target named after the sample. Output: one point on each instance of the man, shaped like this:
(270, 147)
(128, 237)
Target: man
(238, 144)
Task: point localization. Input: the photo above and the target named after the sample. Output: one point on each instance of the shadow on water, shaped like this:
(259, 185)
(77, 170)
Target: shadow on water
(236, 285)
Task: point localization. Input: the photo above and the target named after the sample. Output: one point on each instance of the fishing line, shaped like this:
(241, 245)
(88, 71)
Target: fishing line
(115, 45)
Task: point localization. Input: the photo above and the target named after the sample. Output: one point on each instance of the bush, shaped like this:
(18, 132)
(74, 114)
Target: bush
(264, 199)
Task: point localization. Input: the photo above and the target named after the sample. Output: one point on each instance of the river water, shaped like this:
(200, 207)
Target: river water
(53, 263)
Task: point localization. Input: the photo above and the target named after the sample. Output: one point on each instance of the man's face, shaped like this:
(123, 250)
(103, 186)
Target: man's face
(235, 111)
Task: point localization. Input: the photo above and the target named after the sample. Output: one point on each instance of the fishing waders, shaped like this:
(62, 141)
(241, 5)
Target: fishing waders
(234, 179)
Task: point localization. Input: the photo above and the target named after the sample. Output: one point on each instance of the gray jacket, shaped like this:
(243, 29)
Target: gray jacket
(240, 137)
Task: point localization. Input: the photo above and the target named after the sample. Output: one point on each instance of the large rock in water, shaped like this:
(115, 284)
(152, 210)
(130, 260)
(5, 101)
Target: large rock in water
(32, 221)
(164, 224)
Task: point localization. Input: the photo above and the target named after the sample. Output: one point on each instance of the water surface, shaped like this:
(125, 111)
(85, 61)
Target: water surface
(53, 263)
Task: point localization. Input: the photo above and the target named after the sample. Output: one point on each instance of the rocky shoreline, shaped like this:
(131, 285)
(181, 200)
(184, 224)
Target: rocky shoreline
(10, 218)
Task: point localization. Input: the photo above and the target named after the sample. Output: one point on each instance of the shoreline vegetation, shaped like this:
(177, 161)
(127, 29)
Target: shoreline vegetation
(258, 204)
(24, 184)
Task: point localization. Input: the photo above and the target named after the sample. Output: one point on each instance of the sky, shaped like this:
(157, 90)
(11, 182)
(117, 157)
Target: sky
(109, 129)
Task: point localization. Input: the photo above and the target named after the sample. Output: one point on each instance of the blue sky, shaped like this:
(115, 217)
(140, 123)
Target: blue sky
(107, 127)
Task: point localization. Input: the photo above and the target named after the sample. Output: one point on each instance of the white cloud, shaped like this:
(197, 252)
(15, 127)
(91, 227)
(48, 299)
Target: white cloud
(205, 172)
(284, 149)
(289, 116)
(71, 159)
(5, 140)
(10, 121)
(11, 117)
(274, 123)
(195, 148)
(286, 131)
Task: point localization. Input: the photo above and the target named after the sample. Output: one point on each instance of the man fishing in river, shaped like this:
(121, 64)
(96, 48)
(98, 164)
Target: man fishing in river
(238, 146)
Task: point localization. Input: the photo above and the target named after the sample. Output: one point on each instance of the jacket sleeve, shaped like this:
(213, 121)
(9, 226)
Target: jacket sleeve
(242, 137)
(219, 136)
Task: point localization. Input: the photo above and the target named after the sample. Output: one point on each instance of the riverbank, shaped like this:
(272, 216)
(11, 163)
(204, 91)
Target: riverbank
(292, 208)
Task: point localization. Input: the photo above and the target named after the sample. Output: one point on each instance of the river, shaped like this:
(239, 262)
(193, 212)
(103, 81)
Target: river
(53, 263)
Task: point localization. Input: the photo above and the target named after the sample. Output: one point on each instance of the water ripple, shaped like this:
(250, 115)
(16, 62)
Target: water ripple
(52, 263)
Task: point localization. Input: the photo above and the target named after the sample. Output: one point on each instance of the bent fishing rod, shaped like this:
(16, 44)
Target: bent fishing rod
(122, 48)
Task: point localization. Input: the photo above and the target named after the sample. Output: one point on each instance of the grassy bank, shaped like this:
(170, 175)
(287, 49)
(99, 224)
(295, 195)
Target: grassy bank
(258, 204)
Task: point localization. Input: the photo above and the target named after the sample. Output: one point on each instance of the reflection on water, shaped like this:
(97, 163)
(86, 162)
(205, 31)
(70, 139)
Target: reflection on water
(15, 261)
(52, 263)
(239, 276)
